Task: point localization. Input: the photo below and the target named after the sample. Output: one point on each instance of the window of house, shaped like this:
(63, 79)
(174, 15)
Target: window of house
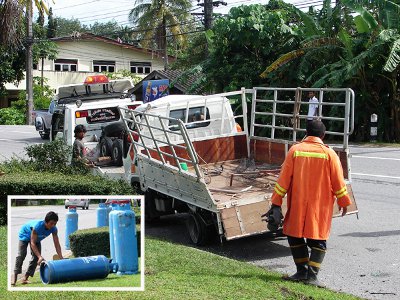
(66, 65)
(195, 114)
(35, 66)
(104, 66)
(140, 67)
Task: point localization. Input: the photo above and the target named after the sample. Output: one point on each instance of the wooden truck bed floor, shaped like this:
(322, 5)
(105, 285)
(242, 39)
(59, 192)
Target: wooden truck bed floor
(240, 180)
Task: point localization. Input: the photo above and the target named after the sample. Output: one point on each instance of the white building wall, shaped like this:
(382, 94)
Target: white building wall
(85, 51)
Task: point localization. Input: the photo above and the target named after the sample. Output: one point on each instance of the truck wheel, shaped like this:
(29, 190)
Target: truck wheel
(197, 229)
(150, 216)
(106, 146)
(116, 154)
(44, 135)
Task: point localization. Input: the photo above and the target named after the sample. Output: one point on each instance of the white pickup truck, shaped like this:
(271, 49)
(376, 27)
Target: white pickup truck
(188, 154)
(94, 104)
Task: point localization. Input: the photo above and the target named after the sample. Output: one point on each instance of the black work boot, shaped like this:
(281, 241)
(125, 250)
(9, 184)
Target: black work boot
(316, 258)
(300, 257)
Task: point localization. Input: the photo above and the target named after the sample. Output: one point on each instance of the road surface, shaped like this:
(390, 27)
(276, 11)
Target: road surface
(14, 138)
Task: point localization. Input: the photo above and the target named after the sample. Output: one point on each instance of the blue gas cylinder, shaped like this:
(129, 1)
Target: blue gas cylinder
(71, 220)
(115, 205)
(109, 208)
(81, 268)
(124, 236)
(102, 215)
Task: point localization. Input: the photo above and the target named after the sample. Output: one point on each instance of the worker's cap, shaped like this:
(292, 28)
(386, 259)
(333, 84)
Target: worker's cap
(79, 128)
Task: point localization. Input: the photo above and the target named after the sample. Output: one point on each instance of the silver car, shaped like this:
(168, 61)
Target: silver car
(84, 203)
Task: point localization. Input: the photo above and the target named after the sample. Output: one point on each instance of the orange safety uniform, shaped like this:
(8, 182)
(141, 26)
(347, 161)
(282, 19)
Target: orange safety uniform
(312, 177)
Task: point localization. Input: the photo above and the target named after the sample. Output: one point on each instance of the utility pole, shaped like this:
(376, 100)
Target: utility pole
(208, 11)
(29, 63)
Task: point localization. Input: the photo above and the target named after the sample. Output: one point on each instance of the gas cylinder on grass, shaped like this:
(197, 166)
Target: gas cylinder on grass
(102, 215)
(71, 220)
(123, 241)
(81, 268)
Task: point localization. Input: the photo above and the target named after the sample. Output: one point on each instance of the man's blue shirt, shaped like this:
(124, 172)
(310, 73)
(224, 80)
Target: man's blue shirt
(25, 232)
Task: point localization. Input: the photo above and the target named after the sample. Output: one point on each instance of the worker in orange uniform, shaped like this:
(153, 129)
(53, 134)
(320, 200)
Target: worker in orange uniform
(312, 177)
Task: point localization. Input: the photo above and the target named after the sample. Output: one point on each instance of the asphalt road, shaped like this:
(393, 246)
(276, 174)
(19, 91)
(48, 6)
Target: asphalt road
(21, 215)
(14, 138)
(362, 257)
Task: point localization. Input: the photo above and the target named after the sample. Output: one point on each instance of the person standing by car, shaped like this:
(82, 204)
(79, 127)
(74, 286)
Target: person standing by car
(32, 233)
(312, 177)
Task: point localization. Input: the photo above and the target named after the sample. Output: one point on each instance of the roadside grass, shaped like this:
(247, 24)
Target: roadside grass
(179, 272)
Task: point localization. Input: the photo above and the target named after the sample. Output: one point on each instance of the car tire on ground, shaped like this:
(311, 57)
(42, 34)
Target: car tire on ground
(116, 155)
(106, 145)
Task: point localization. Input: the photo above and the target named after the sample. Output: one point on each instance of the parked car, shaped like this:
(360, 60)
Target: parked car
(42, 119)
(84, 203)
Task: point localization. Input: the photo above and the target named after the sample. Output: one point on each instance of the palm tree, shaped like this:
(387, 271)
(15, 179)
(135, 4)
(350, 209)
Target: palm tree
(12, 21)
(158, 19)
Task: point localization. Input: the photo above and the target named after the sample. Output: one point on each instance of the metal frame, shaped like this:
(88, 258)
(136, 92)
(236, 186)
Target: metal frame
(347, 119)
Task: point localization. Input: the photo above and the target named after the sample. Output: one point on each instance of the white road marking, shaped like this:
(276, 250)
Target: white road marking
(375, 157)
(373, 175)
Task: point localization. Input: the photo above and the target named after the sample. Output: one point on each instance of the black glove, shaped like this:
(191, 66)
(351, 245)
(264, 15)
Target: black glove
(273, 217)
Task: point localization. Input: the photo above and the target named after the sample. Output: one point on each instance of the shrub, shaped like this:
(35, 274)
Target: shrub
(11, 116)
(94, 241)
(30, 182)
(89, 242)
(54, 156)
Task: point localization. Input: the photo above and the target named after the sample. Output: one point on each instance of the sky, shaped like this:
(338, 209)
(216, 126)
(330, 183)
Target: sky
(90, 11)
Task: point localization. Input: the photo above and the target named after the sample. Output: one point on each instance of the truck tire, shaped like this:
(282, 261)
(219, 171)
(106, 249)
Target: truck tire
(116, 154)
(44, 135)
(106, 145)
(197, 229)
(151, 215)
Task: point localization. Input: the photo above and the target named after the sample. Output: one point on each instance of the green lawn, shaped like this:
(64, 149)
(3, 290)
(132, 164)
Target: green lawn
(179, 272)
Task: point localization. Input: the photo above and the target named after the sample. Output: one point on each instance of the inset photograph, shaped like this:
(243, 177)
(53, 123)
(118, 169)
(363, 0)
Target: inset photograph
(75, 243)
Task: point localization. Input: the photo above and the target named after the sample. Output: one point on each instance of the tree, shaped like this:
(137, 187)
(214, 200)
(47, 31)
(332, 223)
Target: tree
(65, 27)
(239, 44)
(112, 29)
(356, 44)
(159, 18)
(51, 25)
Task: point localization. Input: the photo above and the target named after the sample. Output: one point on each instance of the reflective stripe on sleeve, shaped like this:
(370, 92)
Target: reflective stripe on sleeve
(280, 188)
(279, 192)
(310, 154)
(342, 192)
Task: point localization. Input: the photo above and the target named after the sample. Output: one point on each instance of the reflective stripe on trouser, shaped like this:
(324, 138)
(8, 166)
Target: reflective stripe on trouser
(299, 250)
(316, 258)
